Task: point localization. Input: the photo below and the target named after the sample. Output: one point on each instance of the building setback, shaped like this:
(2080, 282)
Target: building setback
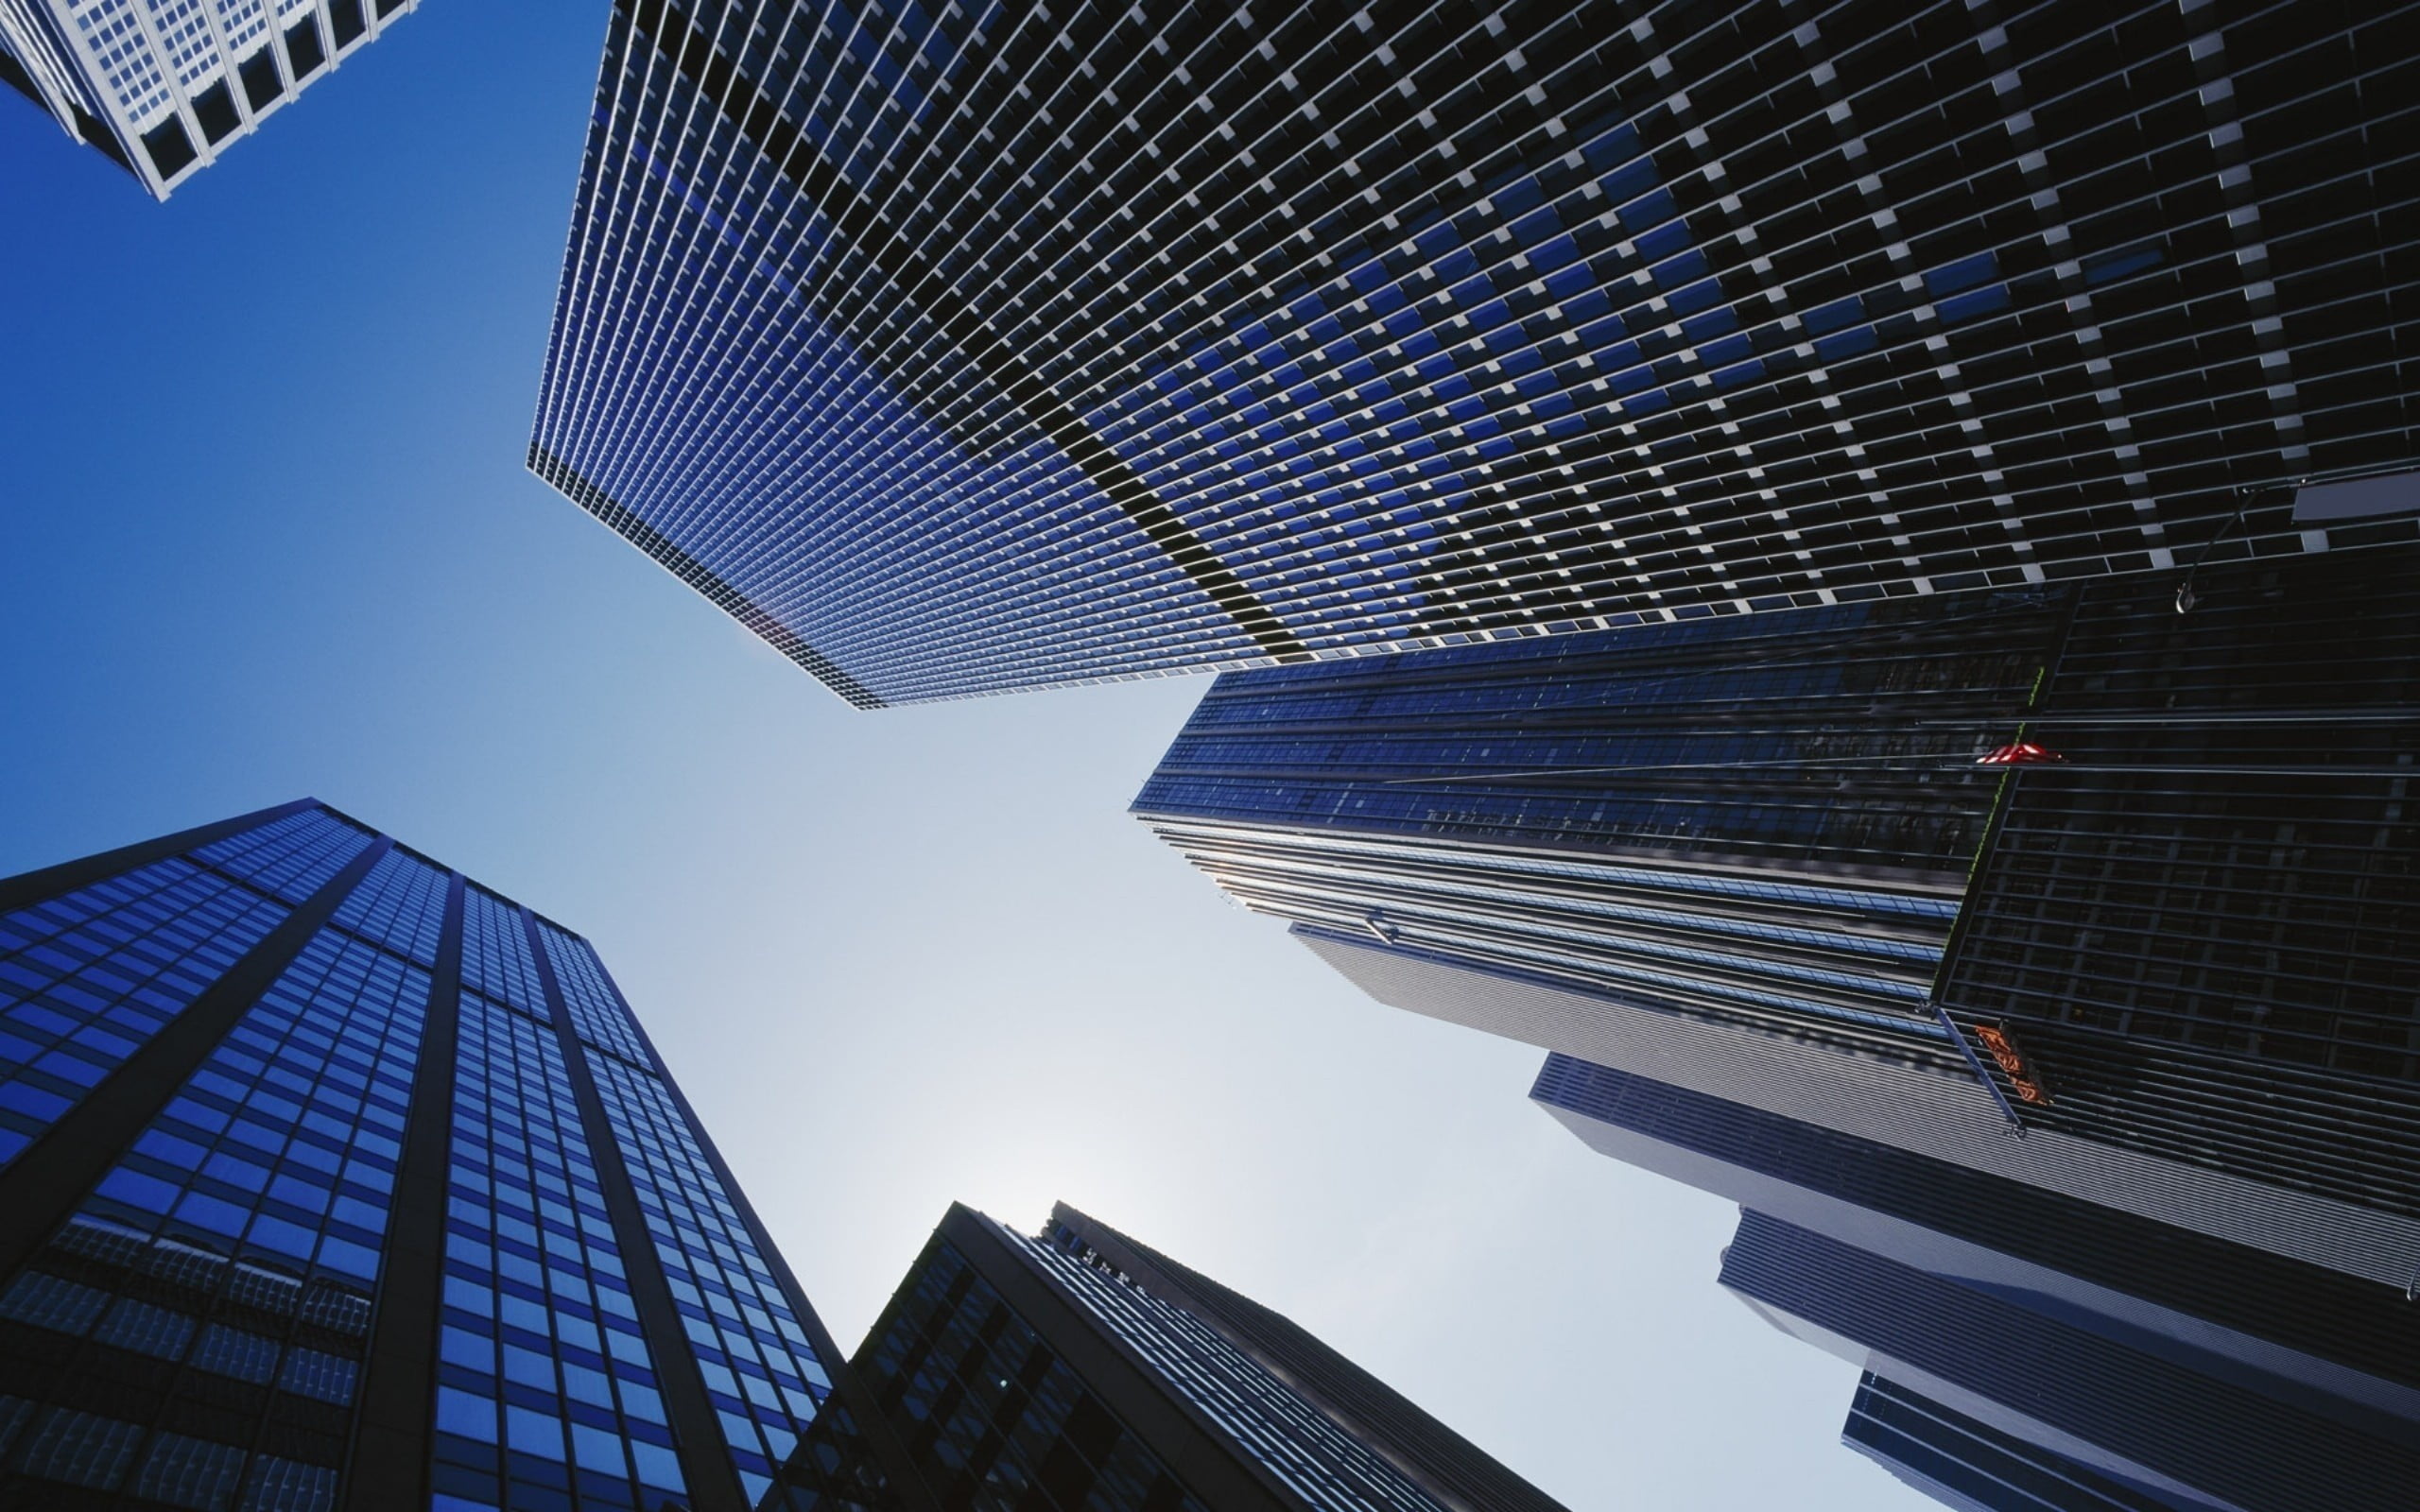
(2067, 1386)
(1971, 1466)
(2026, 1351)
(2336, 1345)
(1081, 1370)
(1756, 858)
(962, 349)
(331, 1181)
(163, 90)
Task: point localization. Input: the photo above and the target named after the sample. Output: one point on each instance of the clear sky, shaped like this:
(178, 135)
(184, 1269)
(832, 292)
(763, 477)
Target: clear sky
(265, 532)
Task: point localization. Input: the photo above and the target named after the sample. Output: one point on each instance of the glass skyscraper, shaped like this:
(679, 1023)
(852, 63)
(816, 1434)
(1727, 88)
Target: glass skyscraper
(330, 1180)
(162, 87)
(958, 349)
(2056, 860)
(2176, 1434)
(2315, 1342)
(1973, 1466)
(2028, 1351)
(1080, 1371)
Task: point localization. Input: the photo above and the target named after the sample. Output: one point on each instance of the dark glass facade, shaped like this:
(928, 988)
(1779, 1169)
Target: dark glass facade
(2182, 946)
(2028, 1350)
(1035, 1373)
(2069, 1385)
(2337, 1345)
(2204, 929)
(340, 1182)
(963, 348)
(1768, 817)
(1460, 1473)
(991, 1414)
(1973, 1466)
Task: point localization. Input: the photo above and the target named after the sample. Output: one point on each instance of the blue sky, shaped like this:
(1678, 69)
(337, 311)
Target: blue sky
(263, 532)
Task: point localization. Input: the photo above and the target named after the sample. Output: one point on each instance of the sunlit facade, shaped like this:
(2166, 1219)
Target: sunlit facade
(162, 87)
(334, 1179)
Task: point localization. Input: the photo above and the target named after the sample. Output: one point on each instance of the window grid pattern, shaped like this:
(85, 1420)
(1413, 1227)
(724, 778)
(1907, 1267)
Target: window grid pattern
(2200, 927)
(231, 1255)
(596, 1012)
(761, 1369)
(1284, 1432)
(123, 53)
(995, 1420)
(153, 71)
(975, 350)
(401, 905)
(87, 978)
(547, 1393)
(289, 858)
(1455, 1470)
(1844, 735)
(495, 953)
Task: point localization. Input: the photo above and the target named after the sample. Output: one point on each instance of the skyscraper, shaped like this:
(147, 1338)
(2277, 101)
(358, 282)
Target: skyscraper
(161, 89)
(2337, 1345)
(332, 1179)
(2069, 1387)
(1973, 1466)
(962, 349)
(2025, 1351)
(2167, 934)
(1081, 1370)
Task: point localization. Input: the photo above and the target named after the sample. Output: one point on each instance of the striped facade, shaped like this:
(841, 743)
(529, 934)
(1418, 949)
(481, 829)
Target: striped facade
(2177, 1437)
(1078, 1371)
(2340, 1346)
(2203, 929)
(1972, 1467)
(956, 349)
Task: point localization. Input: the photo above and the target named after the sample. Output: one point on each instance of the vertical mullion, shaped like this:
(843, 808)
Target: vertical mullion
(876, 1430)
(713, 1480)
(42, 1186)
(387, 1470)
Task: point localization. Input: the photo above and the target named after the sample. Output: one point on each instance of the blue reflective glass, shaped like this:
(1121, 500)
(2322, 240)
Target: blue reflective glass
(762, 1371)
(540, 1349)
(292, 857)
(88, 977)
(241, 1238)
(495, 953)
(401, 905)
